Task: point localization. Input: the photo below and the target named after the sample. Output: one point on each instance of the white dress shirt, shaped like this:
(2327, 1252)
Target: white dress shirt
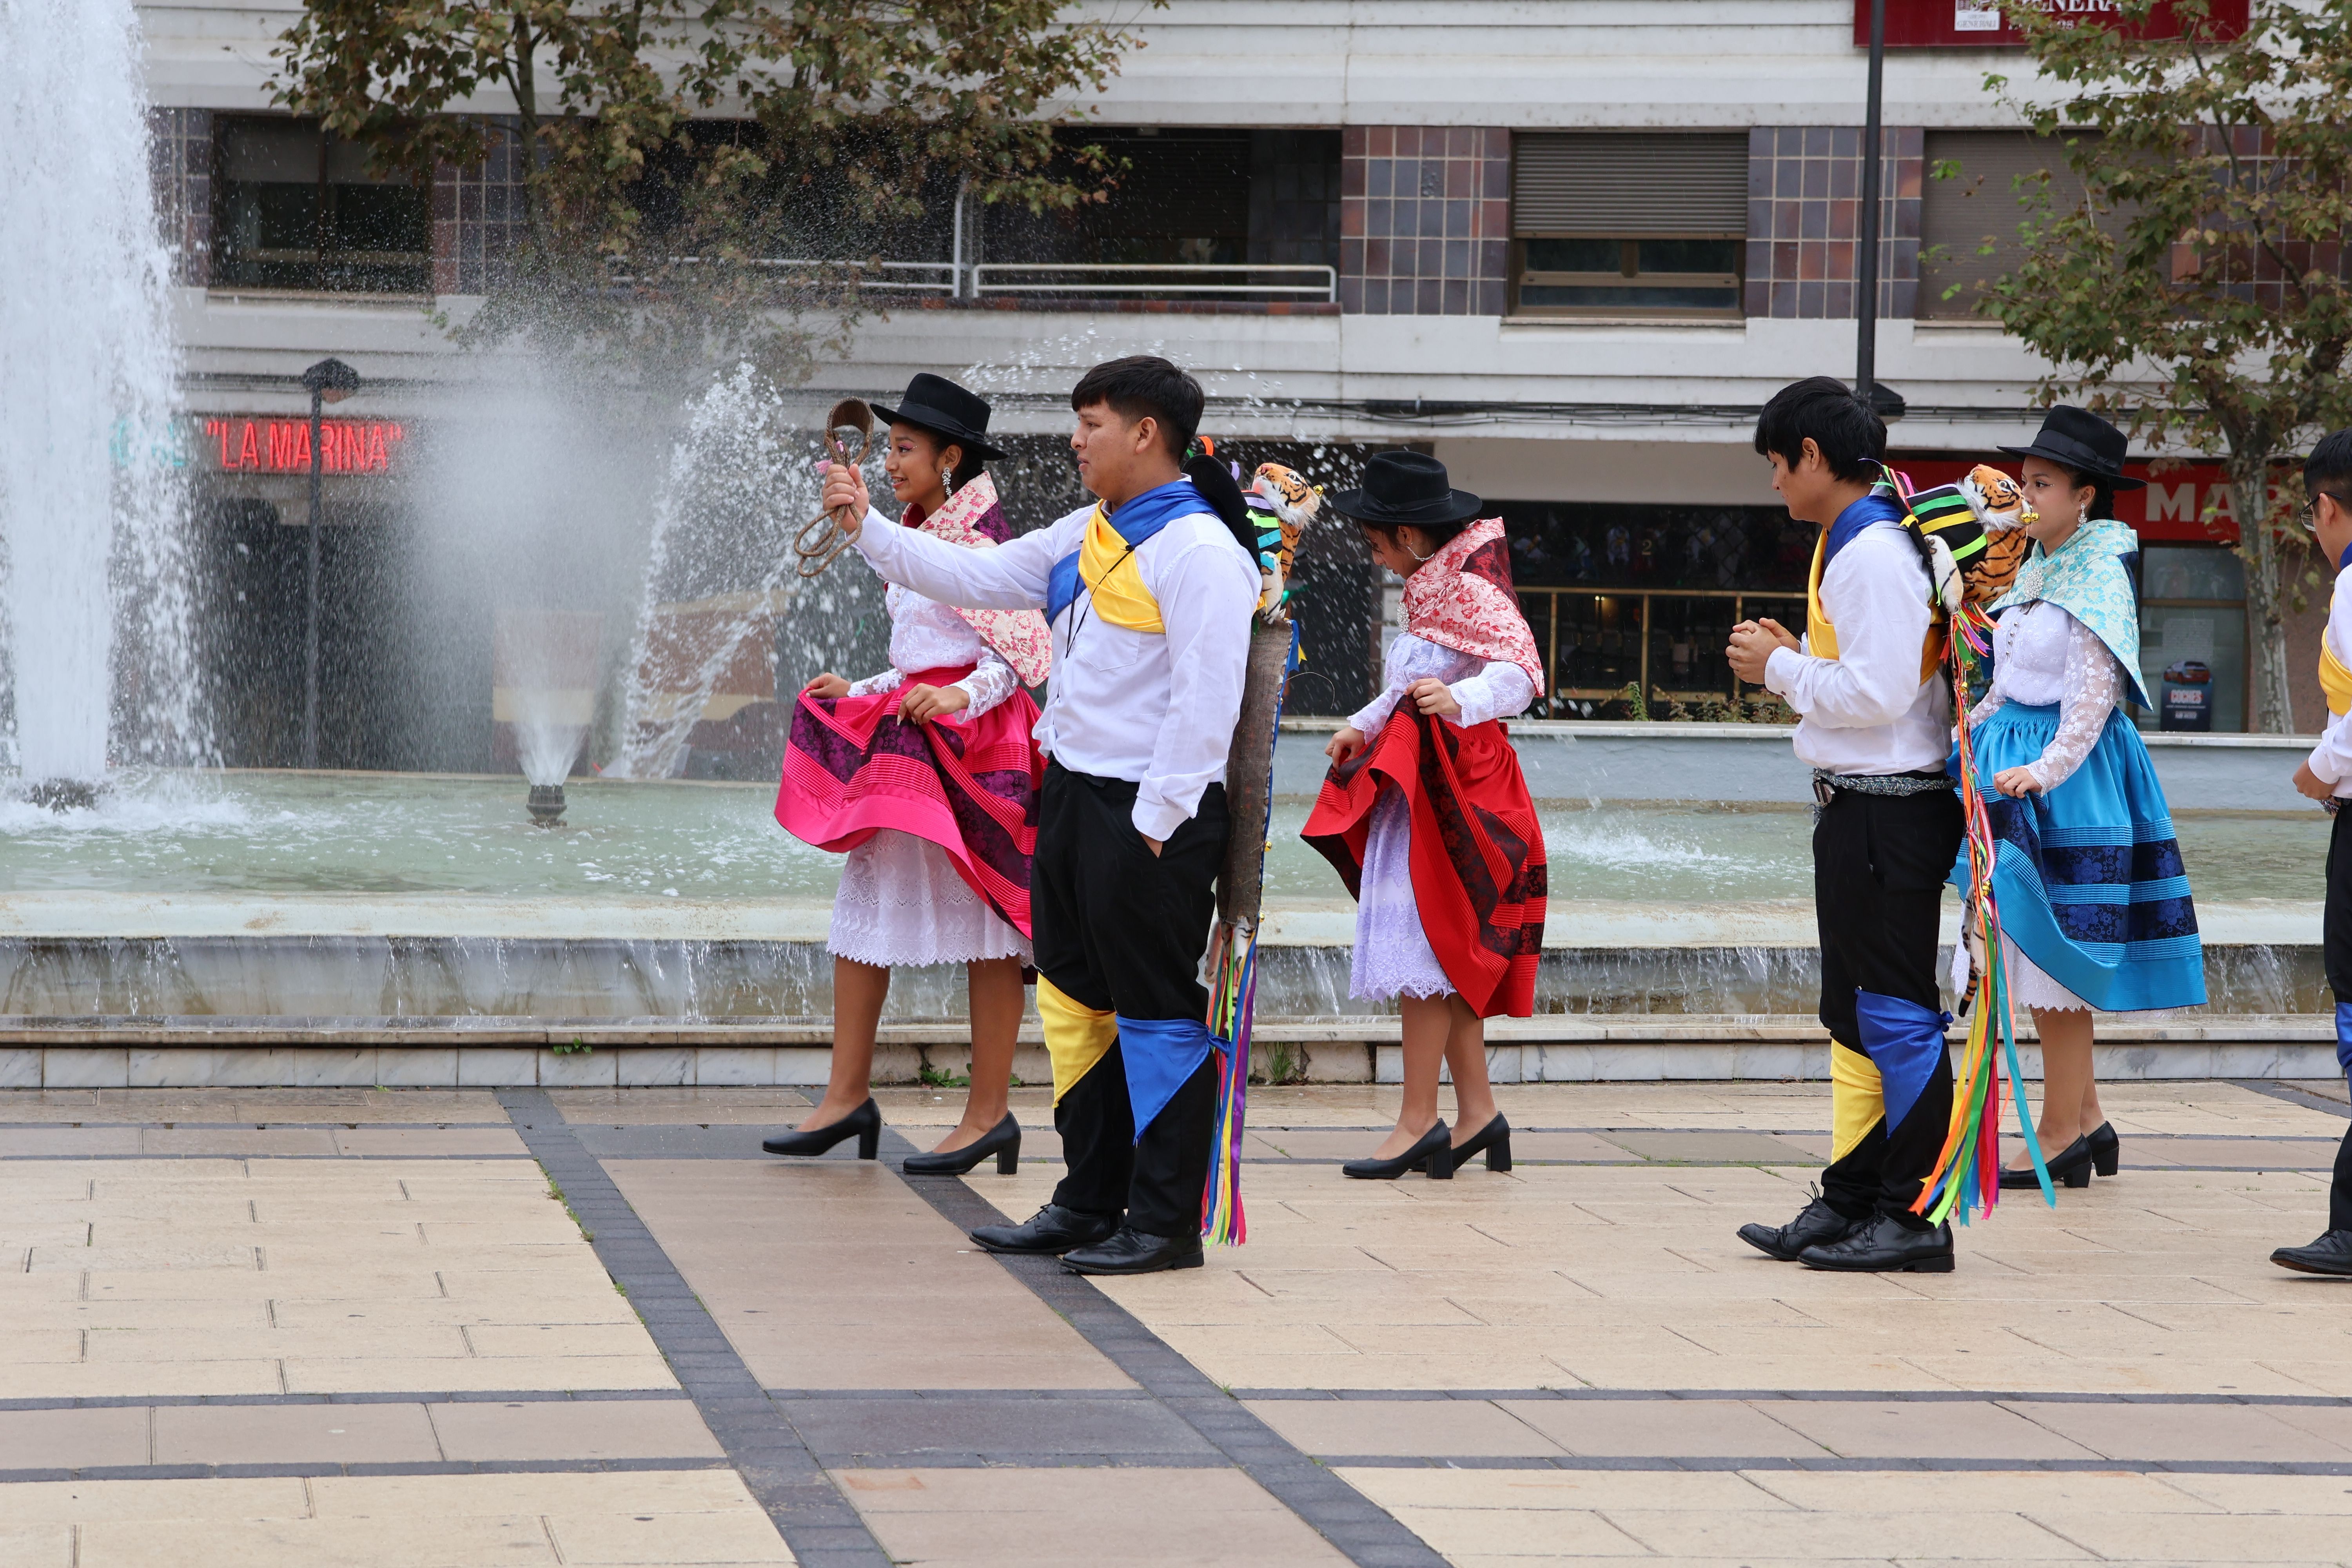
(2331, 760)
(1156, 709)
(1866, 711)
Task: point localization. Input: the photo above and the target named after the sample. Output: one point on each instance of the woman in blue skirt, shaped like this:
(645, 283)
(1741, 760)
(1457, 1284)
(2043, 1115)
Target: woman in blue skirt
(2093, 902)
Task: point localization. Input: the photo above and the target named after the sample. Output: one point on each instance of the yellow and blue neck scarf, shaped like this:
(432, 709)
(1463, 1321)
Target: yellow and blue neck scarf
(1104, 562)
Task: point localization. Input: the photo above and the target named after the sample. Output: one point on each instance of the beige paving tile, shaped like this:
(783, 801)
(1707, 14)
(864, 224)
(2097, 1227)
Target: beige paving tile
(490, 1542)
(1932, 1429)
(2202, 1538)
(384, 1141)
(1050, 1518)
(72, 1439)
(1568, 1534)
(584, 1429)
(733, 1537)
(746, 1234)
(2165, 1432)
(1686, 1428)
(1976, 1536)
(1604, 1491)
(1439, 1428)
(68, 1502)
(468, 1375)
(2026, 1491)
(278, 1435)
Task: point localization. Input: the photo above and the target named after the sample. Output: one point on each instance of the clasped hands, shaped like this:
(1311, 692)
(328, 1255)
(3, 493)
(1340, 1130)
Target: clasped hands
(1753, 643)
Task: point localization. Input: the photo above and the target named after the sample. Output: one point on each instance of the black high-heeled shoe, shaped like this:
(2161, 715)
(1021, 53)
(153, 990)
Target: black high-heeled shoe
(2106, 1149)
(865, 1124)
(1495, 1138)
(2071, 1166)
(1003, 1140)
(1421, 1156)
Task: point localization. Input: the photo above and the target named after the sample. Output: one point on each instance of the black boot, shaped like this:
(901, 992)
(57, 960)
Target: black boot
(1003, 1140)
(1885, 1245)
(1133, 1251)
(2331, 1254)
(1051, 1229)
(1817, 1224)
(865, 1124)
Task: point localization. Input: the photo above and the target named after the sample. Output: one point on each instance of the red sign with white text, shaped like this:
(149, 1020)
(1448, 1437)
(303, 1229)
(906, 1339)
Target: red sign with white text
(2170, 510)
(269, 446)
(1981, 25)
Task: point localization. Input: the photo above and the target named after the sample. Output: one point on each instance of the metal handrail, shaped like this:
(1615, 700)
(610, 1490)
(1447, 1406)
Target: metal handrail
(945, 284)
(1325, 284)
(1739, 598)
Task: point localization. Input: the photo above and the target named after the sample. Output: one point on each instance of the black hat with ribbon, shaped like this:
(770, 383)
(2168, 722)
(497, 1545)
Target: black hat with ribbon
(1403, 488)
(2079, 440)
(935, 403)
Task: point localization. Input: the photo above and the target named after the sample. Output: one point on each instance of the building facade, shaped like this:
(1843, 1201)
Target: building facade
(1569, 245)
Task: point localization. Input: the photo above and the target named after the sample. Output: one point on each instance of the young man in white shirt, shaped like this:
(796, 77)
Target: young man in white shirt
(2326, 777)
(1875, 724)
(1149, 598)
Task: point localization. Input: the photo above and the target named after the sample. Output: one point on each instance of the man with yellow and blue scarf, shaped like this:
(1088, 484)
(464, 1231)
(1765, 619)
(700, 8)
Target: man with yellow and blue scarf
(1148, 595)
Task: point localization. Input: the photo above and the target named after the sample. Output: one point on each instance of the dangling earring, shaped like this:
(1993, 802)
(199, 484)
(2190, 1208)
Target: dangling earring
(947, 480)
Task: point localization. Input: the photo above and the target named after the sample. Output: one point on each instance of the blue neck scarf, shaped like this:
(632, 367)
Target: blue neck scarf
(2344, 560)
(1876, 507)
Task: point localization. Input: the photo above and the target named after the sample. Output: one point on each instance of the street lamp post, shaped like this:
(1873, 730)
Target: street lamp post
(328, 381)
(1865, 304)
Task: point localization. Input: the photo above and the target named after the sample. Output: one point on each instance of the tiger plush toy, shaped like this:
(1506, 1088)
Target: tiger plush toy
(1281, 504)
(1981, 521)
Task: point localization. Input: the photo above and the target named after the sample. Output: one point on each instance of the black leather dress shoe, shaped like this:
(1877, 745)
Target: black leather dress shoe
(2331, 1254)
(1494, 1141)
(1422, 1156)
(865, 1124)
(1132, 1251)
(1817, 1224)
(1885, 1245)
(1003, 1140)
(1050, 1230)
(2106, 1149)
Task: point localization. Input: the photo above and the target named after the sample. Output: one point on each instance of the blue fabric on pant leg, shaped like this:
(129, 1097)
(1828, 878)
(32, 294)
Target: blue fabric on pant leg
(2344, 1037)
(1904, 1041)
(1161, 1055)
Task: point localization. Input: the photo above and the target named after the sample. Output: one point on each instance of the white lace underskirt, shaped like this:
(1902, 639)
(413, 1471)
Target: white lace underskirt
(2030, 986)
(903, 901)
(1393, 956)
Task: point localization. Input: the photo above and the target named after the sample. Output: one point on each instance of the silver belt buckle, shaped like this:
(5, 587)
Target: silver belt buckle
(1825, 792)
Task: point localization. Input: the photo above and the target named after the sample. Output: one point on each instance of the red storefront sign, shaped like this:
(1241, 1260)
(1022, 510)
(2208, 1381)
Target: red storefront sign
(269, 446)
(1980, 24)
(2170, 510)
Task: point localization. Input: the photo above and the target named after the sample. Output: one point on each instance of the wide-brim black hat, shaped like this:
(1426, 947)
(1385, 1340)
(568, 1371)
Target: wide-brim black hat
(1402, 487)
(935, 403)
(2078, 439)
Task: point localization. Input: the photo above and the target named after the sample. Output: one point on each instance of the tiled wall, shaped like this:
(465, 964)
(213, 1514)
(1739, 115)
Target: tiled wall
(477, 215)
(1804, 220)
(180, 159)
(1424, 220)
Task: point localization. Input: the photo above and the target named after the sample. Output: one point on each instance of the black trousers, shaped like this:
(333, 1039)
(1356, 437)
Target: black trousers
(1122, 930)
(1880, 863)
(2336, 939)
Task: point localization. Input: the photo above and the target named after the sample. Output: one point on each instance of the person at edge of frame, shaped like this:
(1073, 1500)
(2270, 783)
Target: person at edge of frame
(1149, 596)
(1875, 724)
(2326, 777)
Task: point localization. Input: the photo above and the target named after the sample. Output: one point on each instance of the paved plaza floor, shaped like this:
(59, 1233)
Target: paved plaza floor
(419, 1328)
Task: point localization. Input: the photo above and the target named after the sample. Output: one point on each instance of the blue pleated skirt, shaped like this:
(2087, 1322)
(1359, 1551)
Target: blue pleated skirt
(2088, 878)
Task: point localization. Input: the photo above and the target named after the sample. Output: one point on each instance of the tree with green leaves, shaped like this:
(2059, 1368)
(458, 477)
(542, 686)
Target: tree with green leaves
(2198, 292)
(758, 130)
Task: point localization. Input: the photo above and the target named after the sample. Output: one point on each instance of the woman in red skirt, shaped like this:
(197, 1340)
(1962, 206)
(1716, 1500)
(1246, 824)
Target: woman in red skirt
(927, 776)
(1426, 816)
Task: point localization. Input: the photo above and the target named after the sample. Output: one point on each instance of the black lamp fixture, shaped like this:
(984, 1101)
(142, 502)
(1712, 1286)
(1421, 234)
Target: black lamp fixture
(328, 381)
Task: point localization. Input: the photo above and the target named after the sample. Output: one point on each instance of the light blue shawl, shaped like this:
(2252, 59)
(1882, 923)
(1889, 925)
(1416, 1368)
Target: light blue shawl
(2090, 579)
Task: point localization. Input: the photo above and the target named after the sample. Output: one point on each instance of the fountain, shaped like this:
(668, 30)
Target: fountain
(97, 597)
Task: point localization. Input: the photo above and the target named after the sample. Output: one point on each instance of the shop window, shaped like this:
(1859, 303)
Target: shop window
(2192, 637)
(297, 207)
(1616, 224)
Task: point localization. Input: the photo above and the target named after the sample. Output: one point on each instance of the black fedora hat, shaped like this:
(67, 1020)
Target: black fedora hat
(2080, 440)
(935, 403)
(1406, 488)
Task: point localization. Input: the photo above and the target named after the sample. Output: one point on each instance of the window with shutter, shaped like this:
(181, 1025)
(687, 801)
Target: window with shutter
(1972, 200)
(1614, 223)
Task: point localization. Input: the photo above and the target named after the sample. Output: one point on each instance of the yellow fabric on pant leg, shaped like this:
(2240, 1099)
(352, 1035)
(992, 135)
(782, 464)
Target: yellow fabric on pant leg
(1857, 1097)
(1076, 1037)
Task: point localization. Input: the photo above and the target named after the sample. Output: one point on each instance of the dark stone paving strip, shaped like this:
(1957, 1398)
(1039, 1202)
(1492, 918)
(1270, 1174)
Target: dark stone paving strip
(417, 1467)
(472, 1396)
(816, 1521)
(1806, 1395)
(1364, 1533)
(949, 1396)
(1668, 1462)
(2291, 1094)
(69, 1157)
